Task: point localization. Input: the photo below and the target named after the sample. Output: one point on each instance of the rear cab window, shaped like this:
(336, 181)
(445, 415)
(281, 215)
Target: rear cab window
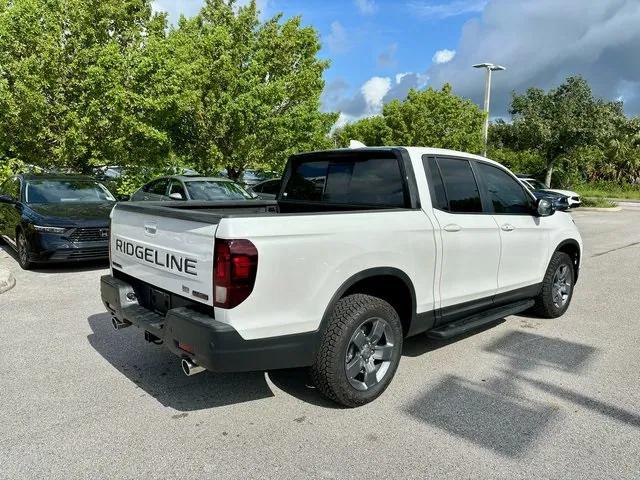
(352, 178)
(452, 185)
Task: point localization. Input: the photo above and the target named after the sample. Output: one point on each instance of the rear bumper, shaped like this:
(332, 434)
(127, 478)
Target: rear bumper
(214, 345)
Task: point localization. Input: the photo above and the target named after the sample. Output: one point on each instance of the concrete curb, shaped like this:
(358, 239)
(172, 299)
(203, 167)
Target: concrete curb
(599, 209)
(7, 280)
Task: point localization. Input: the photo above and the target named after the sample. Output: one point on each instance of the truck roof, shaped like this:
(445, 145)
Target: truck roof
(418, 152)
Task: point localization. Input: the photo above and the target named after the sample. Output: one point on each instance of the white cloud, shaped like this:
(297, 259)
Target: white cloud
(338, 40)
(542, 42)
(369, 99)
(445, 10)
(374, 91)
(366, 7)
(443, 56)
(400, 76)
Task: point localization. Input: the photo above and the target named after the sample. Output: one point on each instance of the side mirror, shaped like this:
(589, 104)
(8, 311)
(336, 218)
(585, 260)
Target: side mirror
(176, 196)
(123, 198)
(545, 208)
(7, 199)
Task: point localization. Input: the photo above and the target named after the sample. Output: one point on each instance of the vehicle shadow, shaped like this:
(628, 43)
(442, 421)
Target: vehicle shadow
(157, 371)
(501, 413)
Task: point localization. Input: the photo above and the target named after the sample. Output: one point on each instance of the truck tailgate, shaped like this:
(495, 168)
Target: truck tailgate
(174, 254)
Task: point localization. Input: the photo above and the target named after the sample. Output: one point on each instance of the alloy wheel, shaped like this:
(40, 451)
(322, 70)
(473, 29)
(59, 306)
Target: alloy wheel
(23, 249)
(561, 288)
(369, 353)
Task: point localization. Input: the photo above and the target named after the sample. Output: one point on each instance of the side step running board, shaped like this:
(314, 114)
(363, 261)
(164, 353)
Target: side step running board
(465, 325)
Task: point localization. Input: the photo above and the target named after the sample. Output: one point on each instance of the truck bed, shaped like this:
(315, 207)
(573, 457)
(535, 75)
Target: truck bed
(199, 211)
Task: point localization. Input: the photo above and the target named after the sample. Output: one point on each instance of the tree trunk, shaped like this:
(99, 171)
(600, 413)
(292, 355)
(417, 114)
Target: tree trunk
(235, 174)
(547, 179)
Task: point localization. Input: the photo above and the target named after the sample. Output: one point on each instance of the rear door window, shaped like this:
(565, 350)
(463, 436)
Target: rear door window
(176, 187)
(353, 180)
(271, 187)
(159, 187)
(461, 189)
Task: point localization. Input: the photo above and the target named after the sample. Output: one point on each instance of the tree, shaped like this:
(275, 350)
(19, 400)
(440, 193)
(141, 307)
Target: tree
(68, 91)
(240, 93)
(369, 130)
(557, 122)
(434, 118)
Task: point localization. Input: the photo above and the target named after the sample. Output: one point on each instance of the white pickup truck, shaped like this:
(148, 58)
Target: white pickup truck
(361, 249)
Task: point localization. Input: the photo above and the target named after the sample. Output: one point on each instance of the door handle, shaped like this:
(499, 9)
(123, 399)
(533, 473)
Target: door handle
(507, 227)
(452, 227)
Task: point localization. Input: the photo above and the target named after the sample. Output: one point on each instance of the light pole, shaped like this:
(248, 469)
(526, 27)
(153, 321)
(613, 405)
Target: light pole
(489, 67)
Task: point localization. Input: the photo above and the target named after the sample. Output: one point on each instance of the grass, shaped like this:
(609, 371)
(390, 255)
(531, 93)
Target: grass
(608, 190)
(597, 202)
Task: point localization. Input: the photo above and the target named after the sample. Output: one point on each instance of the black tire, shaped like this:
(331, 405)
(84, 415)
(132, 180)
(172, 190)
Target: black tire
(548, 303)
(348, 323)
(22, 247)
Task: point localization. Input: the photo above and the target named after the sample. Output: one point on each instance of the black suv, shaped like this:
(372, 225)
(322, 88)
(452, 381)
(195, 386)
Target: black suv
(55, 218)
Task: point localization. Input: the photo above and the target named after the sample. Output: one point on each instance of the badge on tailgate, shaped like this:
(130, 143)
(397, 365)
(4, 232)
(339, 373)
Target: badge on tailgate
(158, 258)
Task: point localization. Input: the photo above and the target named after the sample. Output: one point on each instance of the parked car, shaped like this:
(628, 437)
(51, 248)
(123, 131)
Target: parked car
(573, 199)
(183, 187)
(363, 248)
(268, 189)
(559, 202)
(55, 218)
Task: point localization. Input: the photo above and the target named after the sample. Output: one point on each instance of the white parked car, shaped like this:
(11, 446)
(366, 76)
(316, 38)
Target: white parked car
(573, 199)
(363, 248)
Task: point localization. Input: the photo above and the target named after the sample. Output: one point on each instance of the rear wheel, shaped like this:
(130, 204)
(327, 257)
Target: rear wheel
(23, 251)
(360, 350)
(557, 287)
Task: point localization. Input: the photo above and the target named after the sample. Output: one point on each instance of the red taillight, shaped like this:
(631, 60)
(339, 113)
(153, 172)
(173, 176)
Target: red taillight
(235, 264)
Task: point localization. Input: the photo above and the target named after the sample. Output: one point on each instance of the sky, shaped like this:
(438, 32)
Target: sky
(379, 49)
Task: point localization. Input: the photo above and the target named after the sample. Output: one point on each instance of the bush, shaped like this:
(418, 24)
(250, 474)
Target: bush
(598, 203)
(524, 162)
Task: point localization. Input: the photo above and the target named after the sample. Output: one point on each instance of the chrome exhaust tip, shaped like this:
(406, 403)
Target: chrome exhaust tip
(189, 368)
(119, 325)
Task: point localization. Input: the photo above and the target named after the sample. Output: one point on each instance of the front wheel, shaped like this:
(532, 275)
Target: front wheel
(557, 287)
(23, 251)
(359, 352)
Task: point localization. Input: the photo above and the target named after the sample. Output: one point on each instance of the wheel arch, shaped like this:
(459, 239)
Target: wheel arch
(389, 283)
(572, 248)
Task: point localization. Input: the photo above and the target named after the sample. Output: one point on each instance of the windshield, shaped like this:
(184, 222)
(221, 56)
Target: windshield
(216, 190)
(59, 191)
(536, 184)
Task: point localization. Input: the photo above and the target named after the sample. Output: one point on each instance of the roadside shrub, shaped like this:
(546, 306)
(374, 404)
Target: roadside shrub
(525, 162)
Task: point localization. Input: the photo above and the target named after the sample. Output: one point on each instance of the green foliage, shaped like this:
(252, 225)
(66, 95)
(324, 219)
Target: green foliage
(239, 93)
(87, 82)
(527, 162)
(68, 91)
(434, 118)
(369, 130)
(602, 189)
(9, 167)
(558, 122)
(598, 203)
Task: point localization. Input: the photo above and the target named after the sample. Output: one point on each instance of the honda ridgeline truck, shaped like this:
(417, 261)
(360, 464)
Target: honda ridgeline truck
(361, 249)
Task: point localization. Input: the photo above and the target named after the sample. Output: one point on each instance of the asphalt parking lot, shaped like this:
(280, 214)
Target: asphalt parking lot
(527, 398)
